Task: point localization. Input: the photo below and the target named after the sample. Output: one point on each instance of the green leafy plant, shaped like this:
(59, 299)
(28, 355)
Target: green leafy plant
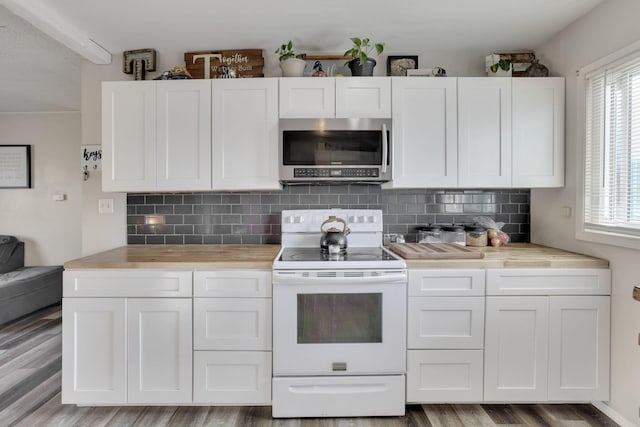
(361, 49)
(286, 51)
(503, 64)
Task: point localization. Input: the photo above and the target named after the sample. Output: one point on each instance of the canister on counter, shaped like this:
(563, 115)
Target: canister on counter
(454, 233)
(429, 234)
(476, 235)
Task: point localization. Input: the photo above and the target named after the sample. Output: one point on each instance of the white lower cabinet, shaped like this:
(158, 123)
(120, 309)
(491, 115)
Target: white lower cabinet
(445, 335)
(159, 350)
(232, 337)
(94, 358)
(122, 348)
(548, 340)
(232, 377)
(516, 349)
(444, 376)
(579, 348)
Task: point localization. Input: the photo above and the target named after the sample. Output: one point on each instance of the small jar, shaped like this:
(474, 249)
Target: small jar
(476, 235)
(454, 234)
(429, 234)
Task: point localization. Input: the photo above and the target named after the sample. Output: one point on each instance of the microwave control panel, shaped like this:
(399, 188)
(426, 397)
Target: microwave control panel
(336, 172)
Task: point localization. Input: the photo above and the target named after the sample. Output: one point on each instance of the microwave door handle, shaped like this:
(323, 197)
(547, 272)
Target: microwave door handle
(385, 148)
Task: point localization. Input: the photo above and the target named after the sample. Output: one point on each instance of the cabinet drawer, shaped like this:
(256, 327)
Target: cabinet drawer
(232, 377)
(127, 283)
(232, 283)
(445, 322)
(549, 281)
(232, 323)
(450, 282)
(435, 376)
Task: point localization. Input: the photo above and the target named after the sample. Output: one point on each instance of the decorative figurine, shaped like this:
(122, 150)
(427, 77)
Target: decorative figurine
(317, 70)
(536, 70)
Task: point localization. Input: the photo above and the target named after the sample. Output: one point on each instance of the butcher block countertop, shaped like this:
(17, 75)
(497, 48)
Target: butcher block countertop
(212, 257)
(185, 257)
(515, 255)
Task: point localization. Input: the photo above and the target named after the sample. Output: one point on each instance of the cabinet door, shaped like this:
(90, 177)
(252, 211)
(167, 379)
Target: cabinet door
(232, 377)
(444, 376)
(245, 134)
(159, 350)
(128, 136)
(302, 97)
(516, 349)
(579, 348)
(425, 134)
(94, 349)
(538, 132)
(445, 322)
(232, 323)
(184, 135)
(363, 97)
(484, 132)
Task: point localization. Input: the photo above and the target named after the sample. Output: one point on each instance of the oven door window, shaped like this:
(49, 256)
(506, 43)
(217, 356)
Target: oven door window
(324, 148)
(339, 318)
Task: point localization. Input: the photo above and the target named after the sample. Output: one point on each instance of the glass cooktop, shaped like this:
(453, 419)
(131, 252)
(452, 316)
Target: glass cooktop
(352, 254)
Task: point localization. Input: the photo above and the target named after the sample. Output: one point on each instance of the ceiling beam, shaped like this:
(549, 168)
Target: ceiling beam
(59, 28)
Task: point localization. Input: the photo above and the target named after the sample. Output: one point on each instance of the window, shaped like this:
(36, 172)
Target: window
(612, 150)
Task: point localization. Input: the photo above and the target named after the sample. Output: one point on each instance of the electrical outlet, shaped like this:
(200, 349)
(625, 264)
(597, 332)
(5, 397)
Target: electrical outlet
(105, 206)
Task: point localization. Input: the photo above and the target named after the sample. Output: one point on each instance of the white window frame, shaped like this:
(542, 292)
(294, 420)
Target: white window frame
(582, 233)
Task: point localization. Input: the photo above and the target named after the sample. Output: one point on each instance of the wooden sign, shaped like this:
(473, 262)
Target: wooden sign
(217, 64)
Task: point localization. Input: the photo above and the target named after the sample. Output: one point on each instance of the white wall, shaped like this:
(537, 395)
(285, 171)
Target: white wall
(50, 229)
(606, 29)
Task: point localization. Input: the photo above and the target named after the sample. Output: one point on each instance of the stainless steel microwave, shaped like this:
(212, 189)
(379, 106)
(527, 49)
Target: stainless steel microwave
(335, 150)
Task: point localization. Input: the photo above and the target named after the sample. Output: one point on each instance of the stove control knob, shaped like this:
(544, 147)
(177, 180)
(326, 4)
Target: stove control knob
(372, 219)
(353, 219)
(288, 219)
(362, 219)
(298, 219)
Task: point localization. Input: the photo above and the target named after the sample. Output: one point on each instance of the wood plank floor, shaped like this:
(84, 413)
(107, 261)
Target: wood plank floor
(30, 371)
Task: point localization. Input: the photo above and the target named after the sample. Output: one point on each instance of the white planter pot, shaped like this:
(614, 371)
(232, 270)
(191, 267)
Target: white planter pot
(293, 67)
(500, 73)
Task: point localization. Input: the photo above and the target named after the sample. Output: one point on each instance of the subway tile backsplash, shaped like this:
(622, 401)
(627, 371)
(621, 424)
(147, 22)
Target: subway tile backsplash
(254, 217)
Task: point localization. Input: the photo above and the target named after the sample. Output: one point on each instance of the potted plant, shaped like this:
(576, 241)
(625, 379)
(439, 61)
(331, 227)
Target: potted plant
(361, 64)
(502, 68)
(291, 63)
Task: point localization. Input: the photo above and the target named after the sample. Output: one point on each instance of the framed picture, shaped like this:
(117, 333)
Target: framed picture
(15, 166)
(398, 65)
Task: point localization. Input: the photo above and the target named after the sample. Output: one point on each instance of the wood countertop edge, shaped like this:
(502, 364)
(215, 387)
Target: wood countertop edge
(260, 257)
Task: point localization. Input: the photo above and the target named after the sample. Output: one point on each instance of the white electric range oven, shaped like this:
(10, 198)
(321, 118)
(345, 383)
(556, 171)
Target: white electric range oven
(339, 320)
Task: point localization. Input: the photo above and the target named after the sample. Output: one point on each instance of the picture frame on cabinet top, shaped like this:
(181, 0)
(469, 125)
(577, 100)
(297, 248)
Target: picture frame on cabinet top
(398, 65)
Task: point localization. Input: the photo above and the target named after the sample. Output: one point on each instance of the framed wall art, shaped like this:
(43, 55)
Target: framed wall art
(398, 65)
(15, 166)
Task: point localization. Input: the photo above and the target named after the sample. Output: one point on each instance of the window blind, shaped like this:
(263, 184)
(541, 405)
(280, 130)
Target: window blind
(612, 151)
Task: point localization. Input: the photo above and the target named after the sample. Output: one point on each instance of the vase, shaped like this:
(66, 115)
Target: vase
(293, 67)
(365, 69)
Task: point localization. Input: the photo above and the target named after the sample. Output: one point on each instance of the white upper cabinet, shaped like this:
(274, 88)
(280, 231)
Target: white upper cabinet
(363, 97)
(245, 134)
(484, 132)
(183, 135)
(538, 132)
(128, 136)
(425, 135)
(156, 135)
(302, 97)
(330, 97)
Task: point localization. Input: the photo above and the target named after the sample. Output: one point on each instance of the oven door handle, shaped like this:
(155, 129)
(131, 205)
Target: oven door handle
(295, 279)
(385, 148)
